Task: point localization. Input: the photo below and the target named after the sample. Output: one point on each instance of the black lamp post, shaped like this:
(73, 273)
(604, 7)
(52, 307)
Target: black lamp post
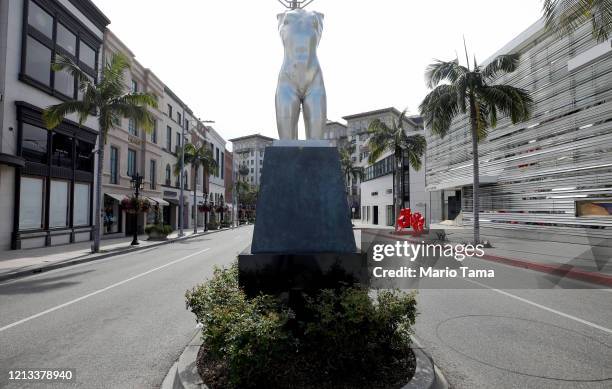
(137, 185)
(221, 206)
(205, 197)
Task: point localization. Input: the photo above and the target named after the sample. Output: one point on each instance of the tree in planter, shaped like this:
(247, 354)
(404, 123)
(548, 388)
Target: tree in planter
(198, 156)
(461, 90)
(565, 16)
(349, 170)
(395, 139)
(110, 101)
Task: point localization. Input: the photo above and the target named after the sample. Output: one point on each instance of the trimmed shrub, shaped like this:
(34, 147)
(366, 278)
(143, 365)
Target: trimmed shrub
(245, 334)
(158, 228)
(350, 338)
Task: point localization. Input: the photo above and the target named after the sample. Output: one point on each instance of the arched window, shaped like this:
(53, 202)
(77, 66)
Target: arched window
(168, 175)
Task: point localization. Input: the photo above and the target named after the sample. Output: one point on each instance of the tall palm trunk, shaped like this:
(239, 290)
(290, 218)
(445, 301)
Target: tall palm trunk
(195, 204)
(205, 190)
(98, 205)
(476, 173)
(396, 184)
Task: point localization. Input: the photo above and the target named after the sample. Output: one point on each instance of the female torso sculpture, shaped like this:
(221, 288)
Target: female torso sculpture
(300, 82)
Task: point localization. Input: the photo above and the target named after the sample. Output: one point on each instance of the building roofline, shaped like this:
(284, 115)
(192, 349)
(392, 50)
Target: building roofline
(92, 12)
(374, 112)
(176, 98)
(252, 136)
(335, 122)
(519, 42)
(379, 112)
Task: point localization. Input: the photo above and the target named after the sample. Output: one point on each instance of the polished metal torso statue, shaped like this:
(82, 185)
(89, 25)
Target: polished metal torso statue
(300, 82)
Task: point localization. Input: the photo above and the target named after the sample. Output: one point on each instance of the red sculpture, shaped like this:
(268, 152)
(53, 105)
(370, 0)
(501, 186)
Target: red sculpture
(408, 219)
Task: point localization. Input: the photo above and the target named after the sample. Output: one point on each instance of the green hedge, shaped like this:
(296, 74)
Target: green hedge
(260, 342)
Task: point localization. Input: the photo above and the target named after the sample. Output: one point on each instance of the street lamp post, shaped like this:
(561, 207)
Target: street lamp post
(205, 198)
(136, 182)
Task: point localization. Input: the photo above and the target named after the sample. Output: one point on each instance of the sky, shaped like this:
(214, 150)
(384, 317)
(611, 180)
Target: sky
(222, 57)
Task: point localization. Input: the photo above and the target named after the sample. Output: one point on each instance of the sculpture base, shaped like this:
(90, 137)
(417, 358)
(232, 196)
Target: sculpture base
(275, 274)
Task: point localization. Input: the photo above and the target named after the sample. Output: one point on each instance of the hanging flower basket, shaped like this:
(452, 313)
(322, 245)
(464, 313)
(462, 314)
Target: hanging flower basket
(133, 205)
(203, 208)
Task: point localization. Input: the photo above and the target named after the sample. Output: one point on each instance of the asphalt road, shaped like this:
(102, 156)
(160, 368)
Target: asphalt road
(122, 322)
(119, 322)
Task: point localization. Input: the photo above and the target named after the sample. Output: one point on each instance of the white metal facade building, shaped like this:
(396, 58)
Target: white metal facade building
(552, 174)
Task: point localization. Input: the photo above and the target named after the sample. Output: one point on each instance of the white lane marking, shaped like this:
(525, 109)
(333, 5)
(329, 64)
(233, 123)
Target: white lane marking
(579, 320)
(99, 291)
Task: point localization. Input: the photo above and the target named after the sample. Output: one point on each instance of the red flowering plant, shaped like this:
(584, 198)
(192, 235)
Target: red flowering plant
(135, 205)
(203, 208)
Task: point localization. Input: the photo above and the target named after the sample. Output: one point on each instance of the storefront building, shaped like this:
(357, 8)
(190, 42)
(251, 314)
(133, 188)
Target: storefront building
(46, 177)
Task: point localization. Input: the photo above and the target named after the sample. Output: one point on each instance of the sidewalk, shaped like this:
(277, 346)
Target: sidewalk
(584, 261)
(19, 263)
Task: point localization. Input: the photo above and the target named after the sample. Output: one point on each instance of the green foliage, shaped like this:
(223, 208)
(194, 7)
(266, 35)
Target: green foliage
(248, 334)
(348, 166)
(565, 16)
(162, 229)
(395, 139)
(225, 224)
(108, 99)
(352, 332)
(347, 331)
(212, 222)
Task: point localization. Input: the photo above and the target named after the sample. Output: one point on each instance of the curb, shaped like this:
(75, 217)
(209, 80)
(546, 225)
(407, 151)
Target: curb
(95, 257)
(562, 270)
(184, 373)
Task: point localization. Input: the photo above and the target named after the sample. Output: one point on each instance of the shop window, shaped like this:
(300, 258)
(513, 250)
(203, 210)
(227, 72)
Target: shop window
(66, 39)
(31, 202)
(114, 165)
(58, 204)
(38, 61)
(41, 20)
(84, 156)
(87, 55)
(131, 168)
(61, 154)
(42, 46)
(594, 208)
(81, 204)
(34, 143)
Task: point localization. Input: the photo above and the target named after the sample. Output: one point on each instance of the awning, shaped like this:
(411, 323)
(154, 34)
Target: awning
(11, 160)
(172, 201)
(118, 197)
(159, 201)
(462, 182)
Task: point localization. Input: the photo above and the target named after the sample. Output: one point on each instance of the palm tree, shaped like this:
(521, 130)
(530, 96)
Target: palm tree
(197, 156)
(110, 101)
(461, 90)
(395, 139)
(349, 169)
(565, 16)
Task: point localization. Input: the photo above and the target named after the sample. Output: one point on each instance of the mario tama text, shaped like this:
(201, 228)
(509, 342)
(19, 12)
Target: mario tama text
(425, 260)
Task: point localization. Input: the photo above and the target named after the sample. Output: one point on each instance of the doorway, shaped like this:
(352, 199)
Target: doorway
(375, 215)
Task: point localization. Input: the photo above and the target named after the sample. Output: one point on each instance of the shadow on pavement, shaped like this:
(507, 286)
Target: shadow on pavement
(38, 285)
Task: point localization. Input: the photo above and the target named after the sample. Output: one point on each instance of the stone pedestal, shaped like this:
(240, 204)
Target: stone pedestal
(303, 238)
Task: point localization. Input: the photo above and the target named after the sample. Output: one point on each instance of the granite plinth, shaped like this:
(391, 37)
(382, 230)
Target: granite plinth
(275, 274)
(302, 205)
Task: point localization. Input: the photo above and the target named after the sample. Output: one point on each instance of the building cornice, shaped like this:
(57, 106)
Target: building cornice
(93, 13)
